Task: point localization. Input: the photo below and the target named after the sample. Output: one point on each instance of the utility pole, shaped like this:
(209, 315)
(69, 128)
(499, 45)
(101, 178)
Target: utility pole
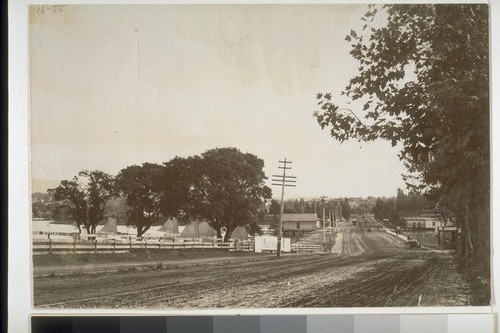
(324, 230)
(283, 180)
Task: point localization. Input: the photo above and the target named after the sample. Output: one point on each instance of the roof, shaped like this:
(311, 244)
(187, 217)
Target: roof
(300, 218)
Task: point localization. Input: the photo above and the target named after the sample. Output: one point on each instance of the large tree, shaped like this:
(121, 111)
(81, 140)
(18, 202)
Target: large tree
(423, 82)
(227, 189)
(139, 185)
(346, 209)
(385, 209)
(275, 210)
(85, 197)
(176, 185)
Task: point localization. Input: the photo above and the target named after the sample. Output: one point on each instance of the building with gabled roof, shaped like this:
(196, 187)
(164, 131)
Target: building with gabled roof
(299, 223)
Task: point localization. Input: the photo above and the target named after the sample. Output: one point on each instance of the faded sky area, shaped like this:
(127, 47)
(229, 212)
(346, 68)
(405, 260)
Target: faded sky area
(117, 85)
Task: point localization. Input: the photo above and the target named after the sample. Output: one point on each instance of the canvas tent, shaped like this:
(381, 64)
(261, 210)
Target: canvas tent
(239, 233)
(197, 229)
(170, 226)
(109, 227)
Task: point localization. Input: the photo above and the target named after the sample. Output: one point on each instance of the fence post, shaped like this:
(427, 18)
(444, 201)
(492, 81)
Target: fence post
(114, 245)
(74, 246)
(50, 246)
(145, 243)
(159, 243)
(95, 246)
(130, 242)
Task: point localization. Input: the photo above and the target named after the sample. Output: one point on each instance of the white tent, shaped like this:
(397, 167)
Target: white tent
(197, 229)
(109, 227)
(239, 233)
(170, 226)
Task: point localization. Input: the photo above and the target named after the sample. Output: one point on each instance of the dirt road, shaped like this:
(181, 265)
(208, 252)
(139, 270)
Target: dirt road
(365, 269)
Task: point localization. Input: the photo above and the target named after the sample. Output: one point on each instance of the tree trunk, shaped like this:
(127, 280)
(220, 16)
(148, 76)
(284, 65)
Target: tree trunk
(481, 241)
(227, 236)
(467, 237)
(142, 229)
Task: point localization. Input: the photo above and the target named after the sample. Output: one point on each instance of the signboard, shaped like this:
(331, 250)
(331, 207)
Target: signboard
(270, 243)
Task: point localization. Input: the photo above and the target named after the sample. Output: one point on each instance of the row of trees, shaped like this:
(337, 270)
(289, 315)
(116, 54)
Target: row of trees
(423, 83)
(290, 207)
(223, 187)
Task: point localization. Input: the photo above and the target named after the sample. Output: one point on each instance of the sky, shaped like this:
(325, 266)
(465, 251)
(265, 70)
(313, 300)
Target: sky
(117, 85)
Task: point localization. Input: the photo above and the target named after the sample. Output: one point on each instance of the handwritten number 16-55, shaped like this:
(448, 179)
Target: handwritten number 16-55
(50, 9)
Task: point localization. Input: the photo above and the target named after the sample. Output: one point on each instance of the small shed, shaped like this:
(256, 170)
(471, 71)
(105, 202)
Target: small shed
(298, 223)
(449, 236)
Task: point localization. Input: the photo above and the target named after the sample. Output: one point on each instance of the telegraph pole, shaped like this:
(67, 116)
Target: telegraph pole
(282, 180)
(324, 229)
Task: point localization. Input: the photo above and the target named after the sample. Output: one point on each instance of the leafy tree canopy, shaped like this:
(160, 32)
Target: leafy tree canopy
(139, 186)
(274, 208)
(85, 197)
(228, 189)
(346, 209)
(423, 82)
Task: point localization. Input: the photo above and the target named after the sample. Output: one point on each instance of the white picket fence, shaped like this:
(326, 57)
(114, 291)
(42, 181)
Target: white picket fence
(113, 246)
(307, 248)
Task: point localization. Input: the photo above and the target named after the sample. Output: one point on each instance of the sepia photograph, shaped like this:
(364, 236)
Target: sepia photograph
(259, 156)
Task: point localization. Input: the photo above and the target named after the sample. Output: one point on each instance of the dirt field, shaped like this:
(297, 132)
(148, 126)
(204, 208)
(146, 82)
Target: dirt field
(365, 269)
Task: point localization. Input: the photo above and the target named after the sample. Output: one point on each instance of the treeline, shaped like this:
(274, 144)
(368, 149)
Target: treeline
(404, 203)
(222, 186)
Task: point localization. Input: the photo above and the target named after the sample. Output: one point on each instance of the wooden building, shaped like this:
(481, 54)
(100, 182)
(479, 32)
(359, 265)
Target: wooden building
(294, 224)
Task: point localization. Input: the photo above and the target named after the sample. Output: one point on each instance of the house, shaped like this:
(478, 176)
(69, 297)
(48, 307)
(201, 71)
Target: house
(421, 223)
(298, 223)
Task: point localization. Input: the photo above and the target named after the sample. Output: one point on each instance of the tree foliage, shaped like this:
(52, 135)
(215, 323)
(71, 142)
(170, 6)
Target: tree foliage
(386, 210)
(346, 209)
(139, 186)
(85, 197)
(178, 178)
(227, 189)
(423, 82)
(413, 202)
(274, 208)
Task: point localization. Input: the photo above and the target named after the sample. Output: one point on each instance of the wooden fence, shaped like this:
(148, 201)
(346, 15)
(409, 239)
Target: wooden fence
(82, 246)
(307, 248)
(113, 246)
